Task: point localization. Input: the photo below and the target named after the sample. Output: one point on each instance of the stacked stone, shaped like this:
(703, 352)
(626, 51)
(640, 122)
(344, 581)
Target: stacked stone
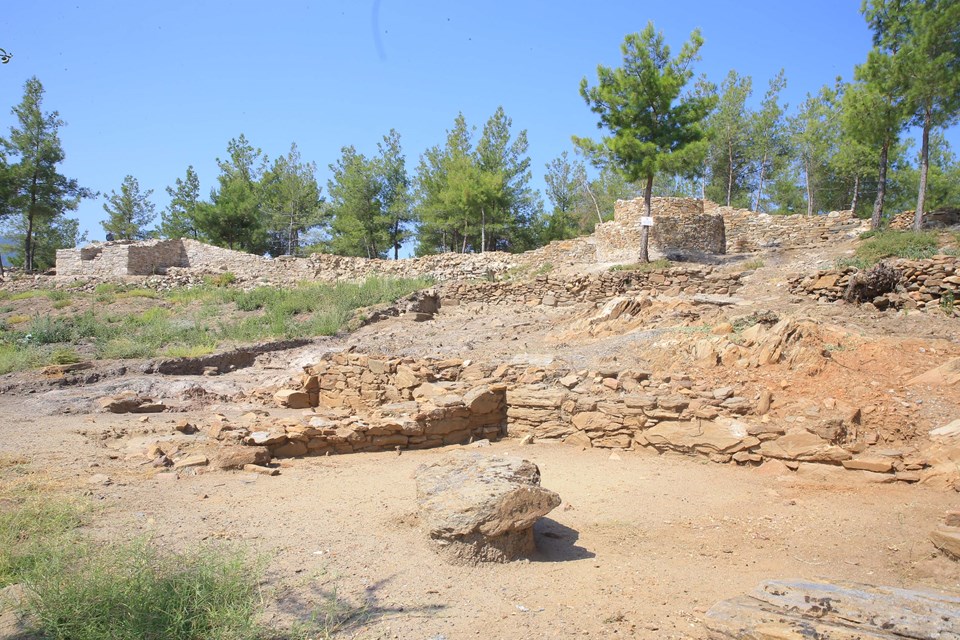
(562, 291)
(365, 403)
(931, 219)
(930, 284)
(751, 231)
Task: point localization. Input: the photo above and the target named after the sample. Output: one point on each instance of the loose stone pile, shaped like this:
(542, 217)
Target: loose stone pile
(933, 283)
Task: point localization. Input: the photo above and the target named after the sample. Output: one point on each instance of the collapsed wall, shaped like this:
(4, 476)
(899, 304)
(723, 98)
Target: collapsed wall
(749, 231)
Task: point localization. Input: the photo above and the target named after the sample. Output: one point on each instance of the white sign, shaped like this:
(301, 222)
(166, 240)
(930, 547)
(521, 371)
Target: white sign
(646, 221)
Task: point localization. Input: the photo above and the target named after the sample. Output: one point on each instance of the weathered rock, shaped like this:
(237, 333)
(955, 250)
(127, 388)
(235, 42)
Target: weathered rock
(292, 398)
(788, 609)
(197, 460)
(238, 457)
(705, 436)
(804, 446)
(877, 464)
(482, 509)
(947, 540)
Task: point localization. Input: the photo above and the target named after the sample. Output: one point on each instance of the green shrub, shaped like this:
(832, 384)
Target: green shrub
(753, 264)
(138, 293)
(224, 279)
(49, 330)
(106, 288)
(26, 295)
(57, 295)
(64, 355)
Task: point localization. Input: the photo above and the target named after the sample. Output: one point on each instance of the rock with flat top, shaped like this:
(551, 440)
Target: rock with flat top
(479, 508)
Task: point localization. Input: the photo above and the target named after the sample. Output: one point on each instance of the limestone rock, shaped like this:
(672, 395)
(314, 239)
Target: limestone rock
(197, 460)
(877, 464)
(719, 436)
(947, 540)
(239, 457)
(804, 446)
(292, 398)
(482, 509)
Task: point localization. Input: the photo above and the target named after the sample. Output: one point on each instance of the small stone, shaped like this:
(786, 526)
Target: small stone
(266, 471)
(197, 460)
(100, 479)
(185, 427)
(527, 439)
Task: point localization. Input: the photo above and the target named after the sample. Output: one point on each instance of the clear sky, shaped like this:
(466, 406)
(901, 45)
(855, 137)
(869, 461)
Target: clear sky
(149, 87)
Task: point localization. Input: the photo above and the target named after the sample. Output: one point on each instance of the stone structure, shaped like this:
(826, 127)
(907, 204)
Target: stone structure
(680, 228)
(751, 231)
(564, 291)
(933, 284)
(482, 509)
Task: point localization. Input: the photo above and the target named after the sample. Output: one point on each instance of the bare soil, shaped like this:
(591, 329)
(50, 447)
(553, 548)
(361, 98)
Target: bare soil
(642, 544)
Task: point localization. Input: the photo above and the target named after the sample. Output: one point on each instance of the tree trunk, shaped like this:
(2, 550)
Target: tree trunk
(763, 165)
(806, 179)
(483, 230)
(924, 166)
(729, 172)
(856, 194)
(586, 185)
(28, 241)
(881, 187)
(645, 231)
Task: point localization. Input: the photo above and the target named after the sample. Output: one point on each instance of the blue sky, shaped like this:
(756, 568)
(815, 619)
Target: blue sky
(148, 88)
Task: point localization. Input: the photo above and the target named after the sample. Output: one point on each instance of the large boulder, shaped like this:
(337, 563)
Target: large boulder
(482, 509)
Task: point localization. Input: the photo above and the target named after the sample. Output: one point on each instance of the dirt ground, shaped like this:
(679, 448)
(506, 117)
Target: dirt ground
(642, 545)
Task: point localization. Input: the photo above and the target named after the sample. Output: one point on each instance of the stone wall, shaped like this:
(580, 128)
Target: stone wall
(565, 291)
(680, 227)
(748, 231)
(924, 284)
(371, 403)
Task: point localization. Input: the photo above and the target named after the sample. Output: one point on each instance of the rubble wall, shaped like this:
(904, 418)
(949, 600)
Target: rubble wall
(565, 291)
(933, 284)
(749, 231)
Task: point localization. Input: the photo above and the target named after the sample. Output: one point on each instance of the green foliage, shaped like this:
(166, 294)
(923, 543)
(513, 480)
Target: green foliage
(769, 144)
(753, 264)
(34, 191)
(178, 220)
(304, 311)
(897, 244)
(477, 197)
(129, 212)
(235, 218)
(359, 224)
(31, 526)
(133, 591)
(651, 126)
(948, 303)
(224, 279)
(292, 201)
(64, 355)
(728, 133)
(816, 132)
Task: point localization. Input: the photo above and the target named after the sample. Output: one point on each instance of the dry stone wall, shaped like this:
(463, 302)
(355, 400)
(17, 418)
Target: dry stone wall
(924, 284)
(370, 403)
(748, 231)
(565, 291)
(680, 227)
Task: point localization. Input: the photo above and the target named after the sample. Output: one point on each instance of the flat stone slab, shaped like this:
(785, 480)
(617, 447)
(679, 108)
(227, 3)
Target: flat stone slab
(479, 508)
(786, 609)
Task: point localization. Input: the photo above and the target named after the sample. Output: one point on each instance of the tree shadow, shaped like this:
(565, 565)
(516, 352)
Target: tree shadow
(322, 610)
(556, 543)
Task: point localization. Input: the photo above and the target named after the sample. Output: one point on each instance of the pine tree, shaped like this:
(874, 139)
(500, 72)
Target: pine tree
(35, 190)
(129, 212)
(178, 220)
(652, 127)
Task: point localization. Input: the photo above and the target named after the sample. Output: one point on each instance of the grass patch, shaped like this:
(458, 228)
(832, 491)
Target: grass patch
(137, 293)
(643, 267)
(26, 295)
(753, 264)
(57, 295)
(18, 319)
(181, 328)
(914, 245)
(134, 591)
(19, 357)
(224, 279)
(64, 355)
